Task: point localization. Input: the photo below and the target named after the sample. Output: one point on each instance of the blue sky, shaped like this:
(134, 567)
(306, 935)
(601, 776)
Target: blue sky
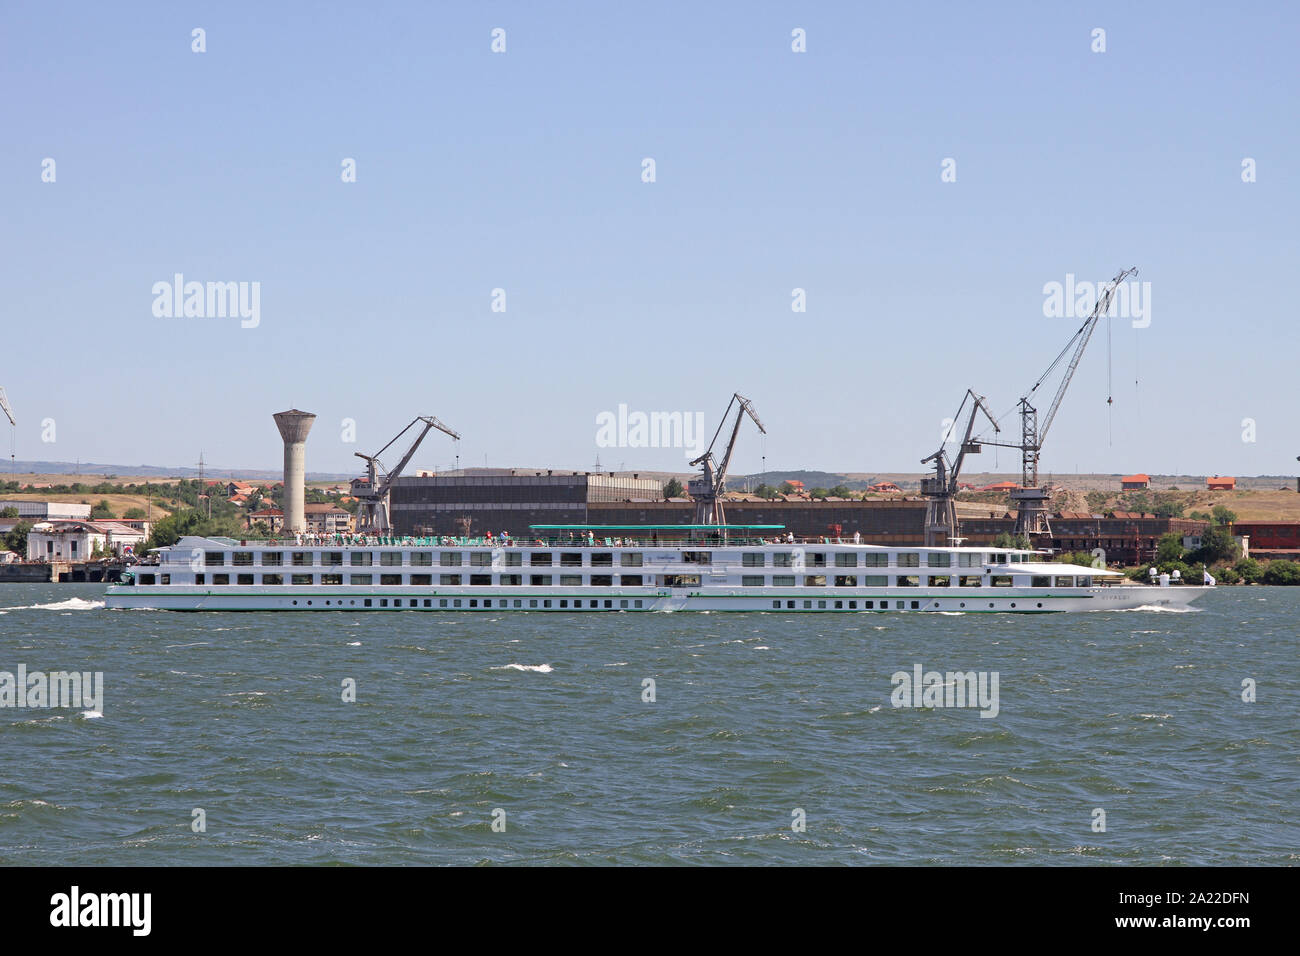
(522, 170)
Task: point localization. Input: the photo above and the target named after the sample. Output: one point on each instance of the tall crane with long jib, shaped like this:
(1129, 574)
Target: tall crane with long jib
(1031, 500)
(707, 490)
(9, 413)
(939, 491)
(373, 490)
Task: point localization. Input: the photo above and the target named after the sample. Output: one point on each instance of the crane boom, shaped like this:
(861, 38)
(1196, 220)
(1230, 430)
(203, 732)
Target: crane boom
(4, 406)
(707, 490)
(1082, 337)
(373, 513)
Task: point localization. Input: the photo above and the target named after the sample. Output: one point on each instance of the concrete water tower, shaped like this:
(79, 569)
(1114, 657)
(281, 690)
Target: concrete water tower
(294, 426)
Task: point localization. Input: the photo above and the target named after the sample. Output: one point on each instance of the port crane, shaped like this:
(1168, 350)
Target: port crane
(707, 490)
(9, 413)
(373, 490)
(939, 491)
(1031, 500)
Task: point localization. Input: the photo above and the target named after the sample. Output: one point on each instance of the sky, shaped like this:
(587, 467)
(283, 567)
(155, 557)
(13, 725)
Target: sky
(524, 171)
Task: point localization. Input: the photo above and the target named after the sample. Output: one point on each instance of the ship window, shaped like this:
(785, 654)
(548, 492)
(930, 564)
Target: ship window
(853, 605)
(916, 605)
(1041, 581)
(273, 579)
(1064, 581)
(540, 580)
(876, 581)
(909, 559)
(807, 605)
(449, 559)
(332, 559)
(518, 603)
(331, 579)
(846, 580)
(789, 605)
(821, 604)
(968, 560)
(939, 559)
(940, 580)
(602, 559)
(869, 605)
(636, 603)
(479, 580)
(302, 579)
(622, 605)
(242, 559)
(875, 559)
(383, 602)
(449, 579)
(997, 559)
(240, 579)
(843, 560)
(214, 559)
(512, 580)
(421, 579)
(1085, 581)
(366, 602)
(361, 559)
(272, 559)
(571, 559)
(781, 559)
(455, 602)
(532, 602)
(564, 604)
(681, 580)
(1002, 581)
(783, 580)
(422, 559)
(221, 579)
(776, 604)
(167, 579)
(302, 559)
(390, 580)
(630, 559)
(570, 580)
(969, 581)
(390, 559)
(428, 603)
(473, 602)
(752, 559)
(751, 581)
(514, 559)
(540, 559)
(697, 557)
(149, 579)
(817, 559)
(898, 605)
(814, 581)
(602, 580)
(361, 579)
(198, 579)
(630, 580)
(480, 559)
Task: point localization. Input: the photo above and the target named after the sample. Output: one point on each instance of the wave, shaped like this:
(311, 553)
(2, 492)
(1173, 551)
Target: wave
(539, 668)
(71, 604)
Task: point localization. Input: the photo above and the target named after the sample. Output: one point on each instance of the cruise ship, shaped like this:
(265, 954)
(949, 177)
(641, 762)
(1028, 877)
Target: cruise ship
(588, 568)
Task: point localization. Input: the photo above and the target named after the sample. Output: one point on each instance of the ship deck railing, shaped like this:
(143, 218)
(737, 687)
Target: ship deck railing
(496, 541)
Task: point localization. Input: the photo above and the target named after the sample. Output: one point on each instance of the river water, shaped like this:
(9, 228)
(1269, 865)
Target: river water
(770, 738)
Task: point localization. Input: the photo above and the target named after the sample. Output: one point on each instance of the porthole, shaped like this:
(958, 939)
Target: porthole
(962, 604)
(990, 603)
(295, 603)
(1013, 603)
(1040, 603)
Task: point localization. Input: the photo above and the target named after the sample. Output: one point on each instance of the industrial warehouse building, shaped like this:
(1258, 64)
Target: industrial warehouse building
(474, 505)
